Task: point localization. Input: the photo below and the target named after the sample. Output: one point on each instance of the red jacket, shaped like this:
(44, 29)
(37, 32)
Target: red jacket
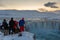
(15, 25)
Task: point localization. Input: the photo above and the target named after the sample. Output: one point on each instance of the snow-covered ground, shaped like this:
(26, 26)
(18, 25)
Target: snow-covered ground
(25, 36)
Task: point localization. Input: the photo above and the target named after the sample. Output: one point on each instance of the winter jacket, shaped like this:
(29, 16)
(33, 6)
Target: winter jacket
(5, 25)
(11, 23)
(21, 23)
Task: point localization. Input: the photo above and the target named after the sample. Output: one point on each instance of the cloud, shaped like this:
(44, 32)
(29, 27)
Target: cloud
(42, 10)
(1, 5)
(51, 4)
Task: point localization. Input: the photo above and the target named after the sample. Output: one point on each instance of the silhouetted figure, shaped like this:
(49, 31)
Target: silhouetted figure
(0, 26)
(11, 26)
(5, 24)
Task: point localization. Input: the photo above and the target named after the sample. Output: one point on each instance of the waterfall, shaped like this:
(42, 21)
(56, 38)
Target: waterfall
(39, 25)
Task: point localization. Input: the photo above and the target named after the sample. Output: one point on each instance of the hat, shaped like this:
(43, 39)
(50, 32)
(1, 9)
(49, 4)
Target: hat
(22, 18)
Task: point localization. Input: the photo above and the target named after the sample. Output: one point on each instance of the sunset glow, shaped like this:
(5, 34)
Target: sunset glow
(30, 4)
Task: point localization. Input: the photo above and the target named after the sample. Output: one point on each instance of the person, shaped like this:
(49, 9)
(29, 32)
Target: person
(15, 26)
(11, 26)
(21, 24)
(0, 26)
(5, 26)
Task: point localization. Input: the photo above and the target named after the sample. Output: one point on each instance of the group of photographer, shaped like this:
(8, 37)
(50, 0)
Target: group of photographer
(12, 26)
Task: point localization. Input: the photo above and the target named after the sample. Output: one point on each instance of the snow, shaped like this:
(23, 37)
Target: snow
(25, 36)
(28, 14)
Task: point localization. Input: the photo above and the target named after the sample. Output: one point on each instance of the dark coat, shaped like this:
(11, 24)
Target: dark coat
(11, 23)
(5, 25)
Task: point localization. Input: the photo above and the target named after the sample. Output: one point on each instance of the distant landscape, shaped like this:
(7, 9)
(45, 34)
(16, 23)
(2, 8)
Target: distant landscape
(29, 14)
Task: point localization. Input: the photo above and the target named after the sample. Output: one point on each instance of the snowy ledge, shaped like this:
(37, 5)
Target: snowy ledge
(25, 36)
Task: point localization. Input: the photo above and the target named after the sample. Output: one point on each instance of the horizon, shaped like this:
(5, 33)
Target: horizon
(30, 10)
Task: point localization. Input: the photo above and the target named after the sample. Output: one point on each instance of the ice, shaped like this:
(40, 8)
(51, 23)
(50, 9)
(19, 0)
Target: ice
(25, 36)
(44, 30)
(29, 14)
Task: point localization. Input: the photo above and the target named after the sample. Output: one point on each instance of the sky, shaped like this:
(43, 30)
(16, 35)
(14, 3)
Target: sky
(48, 5)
